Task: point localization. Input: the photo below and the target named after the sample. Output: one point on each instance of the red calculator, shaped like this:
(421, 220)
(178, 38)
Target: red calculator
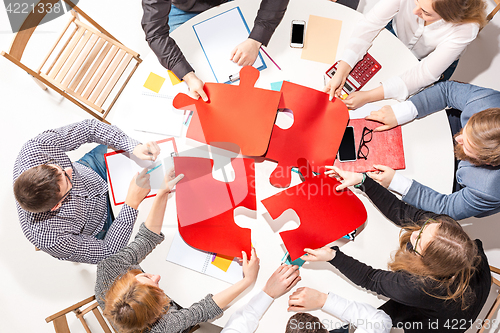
(364, 70)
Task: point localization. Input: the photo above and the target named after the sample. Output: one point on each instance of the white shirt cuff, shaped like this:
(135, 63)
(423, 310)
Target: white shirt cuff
(350, 57)
(395, 88)
(400, 184)
(404, 112)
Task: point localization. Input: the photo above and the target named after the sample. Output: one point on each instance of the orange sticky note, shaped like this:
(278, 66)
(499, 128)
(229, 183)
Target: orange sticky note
(322, 39)
(223, 262)
(173, 78)
(154, 82)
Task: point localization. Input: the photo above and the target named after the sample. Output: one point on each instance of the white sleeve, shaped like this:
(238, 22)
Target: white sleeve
(365, 317)
(430, 68)
(367, 29)
(400, 184)
(404, 112)
(246, 319)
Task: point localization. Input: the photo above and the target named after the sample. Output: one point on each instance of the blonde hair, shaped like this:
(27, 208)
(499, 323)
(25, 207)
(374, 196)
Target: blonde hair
(483, 132)
(461, 11)
(447, 263)
(132, 306)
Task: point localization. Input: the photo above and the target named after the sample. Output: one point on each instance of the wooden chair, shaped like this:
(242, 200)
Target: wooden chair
(61, 323)
(496, 304)
(87, 65)
(494, 11)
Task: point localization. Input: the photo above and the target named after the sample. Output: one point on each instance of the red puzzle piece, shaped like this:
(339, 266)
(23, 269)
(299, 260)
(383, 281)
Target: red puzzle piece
(315, 135)
(385, 148)
(205, 206)
(242, 115)
(325, 214)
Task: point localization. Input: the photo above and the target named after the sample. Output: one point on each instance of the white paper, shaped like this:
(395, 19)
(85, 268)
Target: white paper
(218, 36)
(122, 168)
(184, 255)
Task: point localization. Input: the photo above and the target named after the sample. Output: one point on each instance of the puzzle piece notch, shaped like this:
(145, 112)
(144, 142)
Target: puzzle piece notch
(239, 114)
(205, 206)
(315, 135)
(325, 214)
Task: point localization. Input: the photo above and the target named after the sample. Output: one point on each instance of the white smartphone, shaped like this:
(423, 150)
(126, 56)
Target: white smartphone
(297, 34)
(347, 149)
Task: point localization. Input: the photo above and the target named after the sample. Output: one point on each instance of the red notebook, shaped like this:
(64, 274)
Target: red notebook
(385, 148)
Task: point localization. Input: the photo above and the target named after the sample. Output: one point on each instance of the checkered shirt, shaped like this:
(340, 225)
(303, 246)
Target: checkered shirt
(68, 233)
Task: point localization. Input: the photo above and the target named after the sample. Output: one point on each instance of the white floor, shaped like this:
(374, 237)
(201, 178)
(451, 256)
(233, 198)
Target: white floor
(36, 285)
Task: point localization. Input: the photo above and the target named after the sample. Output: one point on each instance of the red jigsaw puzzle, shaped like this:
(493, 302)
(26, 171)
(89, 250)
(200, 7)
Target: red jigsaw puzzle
(205, 206)
(325, 214)
(315, 135)
(242, 116)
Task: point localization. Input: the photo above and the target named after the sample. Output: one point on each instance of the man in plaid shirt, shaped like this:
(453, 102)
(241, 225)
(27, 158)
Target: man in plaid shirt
(64, 207)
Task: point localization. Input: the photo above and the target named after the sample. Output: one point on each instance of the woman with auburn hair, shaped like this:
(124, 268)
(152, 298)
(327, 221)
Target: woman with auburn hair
(133, 301)
(435, 31)
(439, 279)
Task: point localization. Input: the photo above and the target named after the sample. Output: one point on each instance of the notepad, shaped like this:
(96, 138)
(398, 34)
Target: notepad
(218, 36)
(122, 166)
(184, 255)
(322, 39)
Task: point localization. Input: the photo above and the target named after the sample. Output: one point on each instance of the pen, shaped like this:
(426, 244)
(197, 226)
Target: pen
(156, 167)
(270, 58)
(234, 77)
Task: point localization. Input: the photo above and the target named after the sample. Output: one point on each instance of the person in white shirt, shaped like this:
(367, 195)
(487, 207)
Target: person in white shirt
(436, 31)
(364, 316)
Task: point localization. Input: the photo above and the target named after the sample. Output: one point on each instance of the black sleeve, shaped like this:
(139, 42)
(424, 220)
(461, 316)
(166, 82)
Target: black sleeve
(268, 17)
(155, 25)
(394, 209)
(398, 286)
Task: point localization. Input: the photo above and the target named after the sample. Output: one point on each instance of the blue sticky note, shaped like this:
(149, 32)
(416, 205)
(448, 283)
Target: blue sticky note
(276, 86)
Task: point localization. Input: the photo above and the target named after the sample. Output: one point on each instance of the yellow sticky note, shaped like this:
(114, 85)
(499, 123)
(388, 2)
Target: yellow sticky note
(322, 39)
(173, 78)
(223, 262)
(154, 82)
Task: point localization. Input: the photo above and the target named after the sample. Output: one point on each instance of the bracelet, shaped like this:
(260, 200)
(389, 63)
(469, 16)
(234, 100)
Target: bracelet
(362, 181)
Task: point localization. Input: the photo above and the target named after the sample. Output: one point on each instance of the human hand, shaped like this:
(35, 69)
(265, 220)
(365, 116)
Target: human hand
(282, 280)
(195, 86)
(385, 116)
(138, 189)
(349, 178)
(357, 99)
(245, 53)
(171, 180)
(306, 299)
(336, 83)
(322, 254)
(149, 151)
(383, 175)
(250, 267)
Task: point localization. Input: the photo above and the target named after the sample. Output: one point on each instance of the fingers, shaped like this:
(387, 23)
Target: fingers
(381, 167)
(203, 95)
(236, 57)
(341, 187)
(382, 128)
(244, 257)
(233, 53)
(254, 255)
(153, 150)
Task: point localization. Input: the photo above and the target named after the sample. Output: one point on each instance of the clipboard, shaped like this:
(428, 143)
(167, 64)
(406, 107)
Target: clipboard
(121, 167)
(218, 36)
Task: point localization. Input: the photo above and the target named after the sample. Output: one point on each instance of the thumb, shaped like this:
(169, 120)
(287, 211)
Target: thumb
(203, 95)
(176, 180)
(381, 167)
(341, 187)
(382, 128)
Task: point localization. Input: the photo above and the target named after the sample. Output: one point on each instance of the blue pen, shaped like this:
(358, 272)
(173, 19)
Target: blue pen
(156, 167)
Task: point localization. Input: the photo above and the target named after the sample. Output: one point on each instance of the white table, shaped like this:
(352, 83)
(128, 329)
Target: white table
(427, 143)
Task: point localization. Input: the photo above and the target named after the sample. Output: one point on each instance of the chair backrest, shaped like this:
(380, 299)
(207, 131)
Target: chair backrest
(61, 323)
(494, 11)
(487, 322)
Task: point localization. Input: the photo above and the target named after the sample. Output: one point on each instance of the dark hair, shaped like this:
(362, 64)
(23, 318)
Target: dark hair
(447, 262)
(461, 11)
(304, 323)
(132, 306)
(37, 189)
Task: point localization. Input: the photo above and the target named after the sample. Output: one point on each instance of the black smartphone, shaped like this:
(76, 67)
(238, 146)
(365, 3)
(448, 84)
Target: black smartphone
(298, 28)
(347, 149)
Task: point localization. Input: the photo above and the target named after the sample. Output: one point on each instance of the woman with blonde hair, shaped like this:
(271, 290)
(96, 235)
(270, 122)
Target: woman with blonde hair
(435, 31)
(133, 301)
(439, 279)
